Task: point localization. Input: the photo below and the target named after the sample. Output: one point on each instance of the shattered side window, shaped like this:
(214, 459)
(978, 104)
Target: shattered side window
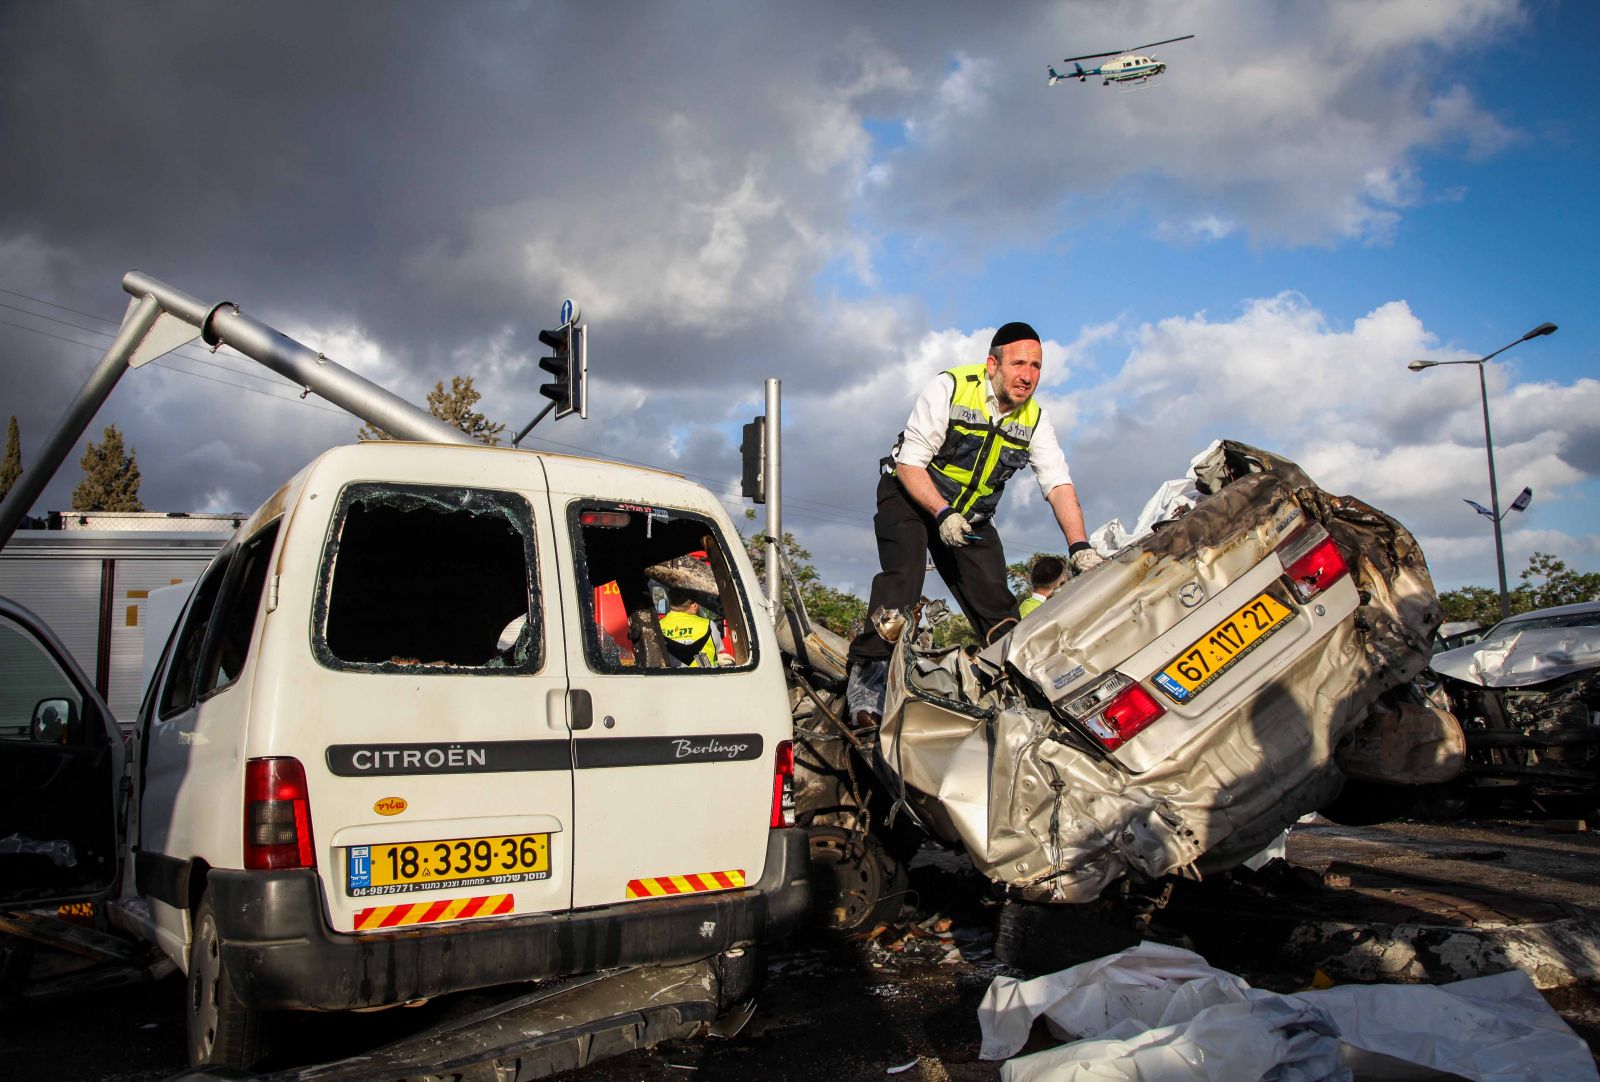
(228, 646)
(658, 592)
(183, 660)
(424, 578)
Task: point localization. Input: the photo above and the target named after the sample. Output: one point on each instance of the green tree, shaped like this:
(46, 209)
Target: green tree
(454, 407)
(954, 630)
(836, 610)
(1480, 604)
(110, 476)
(11, 463)
(1546, 581)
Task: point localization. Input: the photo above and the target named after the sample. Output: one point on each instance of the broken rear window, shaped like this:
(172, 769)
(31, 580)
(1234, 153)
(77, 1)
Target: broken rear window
(422, 578)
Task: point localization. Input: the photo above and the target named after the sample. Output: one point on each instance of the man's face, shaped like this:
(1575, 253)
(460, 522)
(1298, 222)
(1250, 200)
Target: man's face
(1016, 373)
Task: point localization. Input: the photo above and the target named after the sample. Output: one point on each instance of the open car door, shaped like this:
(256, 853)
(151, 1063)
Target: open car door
(61, 772)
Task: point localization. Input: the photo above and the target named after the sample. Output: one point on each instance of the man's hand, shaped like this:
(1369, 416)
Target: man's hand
(953, 528)
(1086, 559)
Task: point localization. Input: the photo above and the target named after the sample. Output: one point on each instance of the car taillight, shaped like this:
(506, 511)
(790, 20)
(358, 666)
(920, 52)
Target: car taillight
(277, 815)
(1312, 561)
(1115, 709)
(783, 786)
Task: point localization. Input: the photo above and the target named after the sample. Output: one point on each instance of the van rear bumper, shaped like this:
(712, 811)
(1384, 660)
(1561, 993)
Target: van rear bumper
(279, 953)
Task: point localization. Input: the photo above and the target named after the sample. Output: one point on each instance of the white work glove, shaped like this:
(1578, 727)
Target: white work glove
(953, 528)
(724, 660)
(1086, 560)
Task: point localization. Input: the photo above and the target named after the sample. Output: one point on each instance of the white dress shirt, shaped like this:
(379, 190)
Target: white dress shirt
(930, 417)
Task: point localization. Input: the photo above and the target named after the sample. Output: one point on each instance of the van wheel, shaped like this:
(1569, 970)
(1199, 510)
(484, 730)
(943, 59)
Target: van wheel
(855, 884)
(224, 1031)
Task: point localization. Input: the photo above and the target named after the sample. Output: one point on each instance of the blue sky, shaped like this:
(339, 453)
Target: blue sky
(848, 197)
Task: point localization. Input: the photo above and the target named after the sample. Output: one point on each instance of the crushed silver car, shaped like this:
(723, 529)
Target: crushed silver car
(1173, 710)
(1528, 699)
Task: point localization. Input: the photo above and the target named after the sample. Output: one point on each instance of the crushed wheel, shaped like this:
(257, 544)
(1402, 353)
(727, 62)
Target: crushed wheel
(854, 883)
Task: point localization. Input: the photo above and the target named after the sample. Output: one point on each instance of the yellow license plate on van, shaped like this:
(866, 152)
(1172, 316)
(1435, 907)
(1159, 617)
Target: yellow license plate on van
(1215, 652)
(436, 865)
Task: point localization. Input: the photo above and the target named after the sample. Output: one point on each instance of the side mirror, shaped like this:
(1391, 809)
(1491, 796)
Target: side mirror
(52, 719)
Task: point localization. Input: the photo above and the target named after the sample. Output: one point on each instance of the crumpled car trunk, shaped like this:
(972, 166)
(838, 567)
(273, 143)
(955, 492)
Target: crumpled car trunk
(982, 751)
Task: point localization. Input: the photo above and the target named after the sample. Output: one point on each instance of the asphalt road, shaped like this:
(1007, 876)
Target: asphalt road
(854, 1011)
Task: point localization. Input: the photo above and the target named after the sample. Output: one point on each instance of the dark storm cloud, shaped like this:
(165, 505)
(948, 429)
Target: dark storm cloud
(433, 178)
(419, 184)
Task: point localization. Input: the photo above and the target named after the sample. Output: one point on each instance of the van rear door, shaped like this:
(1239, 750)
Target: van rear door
(674, 752)
(61, 772)
(442, 787)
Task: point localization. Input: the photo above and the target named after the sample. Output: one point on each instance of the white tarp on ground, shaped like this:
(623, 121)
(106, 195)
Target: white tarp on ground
(1161, 1014)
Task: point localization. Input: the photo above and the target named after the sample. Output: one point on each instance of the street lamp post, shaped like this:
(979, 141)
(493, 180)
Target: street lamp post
(1488, 445)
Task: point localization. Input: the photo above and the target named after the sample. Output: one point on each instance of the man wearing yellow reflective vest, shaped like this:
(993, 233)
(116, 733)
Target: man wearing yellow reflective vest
(690, 637)
(972, 427)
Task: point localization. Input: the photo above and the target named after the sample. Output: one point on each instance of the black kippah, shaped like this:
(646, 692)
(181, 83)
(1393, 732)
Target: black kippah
(1013, 332)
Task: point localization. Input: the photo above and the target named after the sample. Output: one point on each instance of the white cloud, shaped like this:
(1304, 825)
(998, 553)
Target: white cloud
(1203, 228)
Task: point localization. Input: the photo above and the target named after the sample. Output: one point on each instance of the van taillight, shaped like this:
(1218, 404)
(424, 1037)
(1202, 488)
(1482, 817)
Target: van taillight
(1312, 561)
(277, 815)
(783, 786)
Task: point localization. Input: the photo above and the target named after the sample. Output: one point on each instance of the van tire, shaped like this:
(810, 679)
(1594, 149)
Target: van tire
(224, 1031)
(856, 884)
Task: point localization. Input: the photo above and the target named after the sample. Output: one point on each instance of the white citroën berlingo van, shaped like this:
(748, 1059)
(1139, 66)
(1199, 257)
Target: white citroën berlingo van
(401, 742)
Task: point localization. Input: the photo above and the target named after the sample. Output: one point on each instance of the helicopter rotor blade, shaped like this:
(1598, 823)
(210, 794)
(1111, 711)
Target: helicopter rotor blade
(1092, 56)
(1153, 44)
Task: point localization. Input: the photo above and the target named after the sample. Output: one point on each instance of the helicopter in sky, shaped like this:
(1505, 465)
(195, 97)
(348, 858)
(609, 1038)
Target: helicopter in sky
(1128, 67)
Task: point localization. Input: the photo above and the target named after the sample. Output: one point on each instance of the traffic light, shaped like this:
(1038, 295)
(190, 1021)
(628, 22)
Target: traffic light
(564, 388)
(753, 459)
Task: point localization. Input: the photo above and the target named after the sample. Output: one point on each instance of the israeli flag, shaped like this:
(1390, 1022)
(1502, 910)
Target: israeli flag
(1482, 510)
(1524, 498)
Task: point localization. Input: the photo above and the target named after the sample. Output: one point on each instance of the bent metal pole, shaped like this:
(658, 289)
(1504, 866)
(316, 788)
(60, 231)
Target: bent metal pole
(160, 320)
(96, 389)
(224, 324)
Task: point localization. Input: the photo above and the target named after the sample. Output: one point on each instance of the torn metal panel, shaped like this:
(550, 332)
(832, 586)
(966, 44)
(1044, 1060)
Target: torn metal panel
(986, 753)
(1530, 648)
(1412, 744)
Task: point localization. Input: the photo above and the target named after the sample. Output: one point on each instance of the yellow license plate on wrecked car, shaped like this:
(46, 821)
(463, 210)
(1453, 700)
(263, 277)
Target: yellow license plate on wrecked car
(1219, 649)
(441, 865)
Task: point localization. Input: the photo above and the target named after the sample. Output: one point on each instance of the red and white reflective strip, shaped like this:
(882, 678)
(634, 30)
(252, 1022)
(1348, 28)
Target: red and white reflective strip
(665, 885)
(404, 915)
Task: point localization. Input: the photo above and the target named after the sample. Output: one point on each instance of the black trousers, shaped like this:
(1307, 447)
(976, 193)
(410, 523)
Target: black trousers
(975, 573)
